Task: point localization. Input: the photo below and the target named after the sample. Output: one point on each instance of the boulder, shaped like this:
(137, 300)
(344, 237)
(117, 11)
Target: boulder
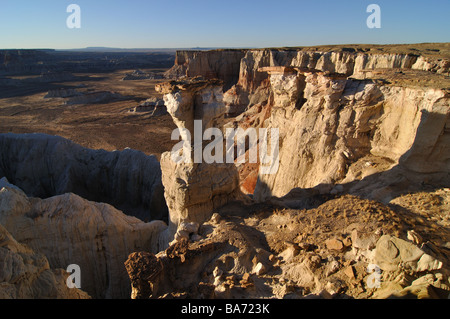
(393, 253)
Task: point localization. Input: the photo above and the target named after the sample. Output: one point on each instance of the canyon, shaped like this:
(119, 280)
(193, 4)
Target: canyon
(358, 207)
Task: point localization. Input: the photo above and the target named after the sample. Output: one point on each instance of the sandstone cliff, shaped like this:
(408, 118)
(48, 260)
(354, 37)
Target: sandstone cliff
(217, 64)
(366, 121)
(352, 121)
(346, 113)
(194, 189)
(68, 229)
(25, 274)
(343, 130)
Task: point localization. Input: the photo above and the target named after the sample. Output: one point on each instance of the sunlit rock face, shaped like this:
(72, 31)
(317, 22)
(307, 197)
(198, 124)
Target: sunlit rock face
(68, 229)
(192, 188)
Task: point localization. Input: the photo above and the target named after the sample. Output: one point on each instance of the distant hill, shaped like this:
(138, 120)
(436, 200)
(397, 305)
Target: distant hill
(165, 50)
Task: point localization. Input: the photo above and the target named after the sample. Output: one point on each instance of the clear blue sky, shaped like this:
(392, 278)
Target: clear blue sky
(212, 23)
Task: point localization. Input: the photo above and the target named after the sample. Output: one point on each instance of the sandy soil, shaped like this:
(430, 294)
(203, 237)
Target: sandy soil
(106, 126)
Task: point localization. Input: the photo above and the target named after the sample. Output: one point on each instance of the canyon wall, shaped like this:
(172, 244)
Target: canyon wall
(194, 188)
(26, 274)
(44, 166)
(217, 64)
(347, 130)
(344, 114)
(68, 229)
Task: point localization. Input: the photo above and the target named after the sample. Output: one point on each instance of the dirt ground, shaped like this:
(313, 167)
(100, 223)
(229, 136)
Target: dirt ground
(107, 126)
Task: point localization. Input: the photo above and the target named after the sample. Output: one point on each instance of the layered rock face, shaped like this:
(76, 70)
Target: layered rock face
(68, 229)
(346, 114)
(193, 189)
(45, 166)
(349, 122)
(337, 125)
(219, 64)
(25, 274)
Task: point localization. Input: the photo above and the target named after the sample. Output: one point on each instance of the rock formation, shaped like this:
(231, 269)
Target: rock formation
(25, 274)
(68, 229)
(93, 97)
(140, 75)
(360, 122)
(44, 166)
(352, 121)
(61, 93)
(152, 106)
(217, 64)
(194, 189)
(358, 208)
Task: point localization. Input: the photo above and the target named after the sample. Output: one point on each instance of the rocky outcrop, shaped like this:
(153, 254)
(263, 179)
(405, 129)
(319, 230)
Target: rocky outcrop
(25, 274)
(49, 77)
(62, 93)
(152, 106)
(350, 121)
(193, 189)
(141, 75)
(375, 116)
(44, 166)
(344, 248)
(360, 122)
(68, 229)
(217, 64)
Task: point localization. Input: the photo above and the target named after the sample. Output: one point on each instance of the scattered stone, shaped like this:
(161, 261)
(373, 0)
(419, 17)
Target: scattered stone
(332, 267)
(290, 252)
(313, 261)
(349, 272)
(215, 218)
(364, 241)
(414, 237)
(334, 244)
(141, 75)
(246, 281)
(260, 269)
(347, 241)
